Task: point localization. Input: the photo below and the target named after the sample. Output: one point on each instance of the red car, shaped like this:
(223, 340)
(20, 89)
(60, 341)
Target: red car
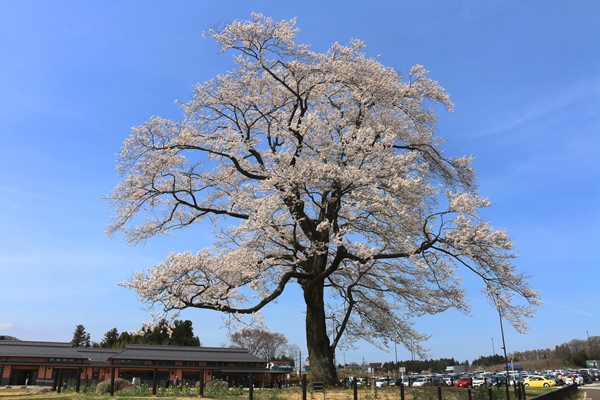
(464, 381)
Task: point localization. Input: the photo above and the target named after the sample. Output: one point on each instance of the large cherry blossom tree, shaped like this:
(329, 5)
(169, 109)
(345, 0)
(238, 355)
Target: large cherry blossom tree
(317, 170)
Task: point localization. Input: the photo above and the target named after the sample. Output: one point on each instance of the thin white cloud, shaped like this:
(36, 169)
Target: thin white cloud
(6, 326)
(583, 90)
(571, 309)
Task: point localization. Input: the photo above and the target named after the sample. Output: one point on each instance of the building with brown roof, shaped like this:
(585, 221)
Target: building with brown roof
(54, 363)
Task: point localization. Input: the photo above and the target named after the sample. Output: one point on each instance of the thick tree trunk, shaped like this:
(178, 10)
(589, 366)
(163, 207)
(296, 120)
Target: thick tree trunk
(320, 353)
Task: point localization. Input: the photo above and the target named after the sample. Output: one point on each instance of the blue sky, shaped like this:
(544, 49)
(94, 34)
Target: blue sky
(75, 76)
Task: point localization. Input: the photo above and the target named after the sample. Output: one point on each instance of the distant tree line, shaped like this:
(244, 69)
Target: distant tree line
(487, 361)
(575, 352)
(177, 333)
(570, 354)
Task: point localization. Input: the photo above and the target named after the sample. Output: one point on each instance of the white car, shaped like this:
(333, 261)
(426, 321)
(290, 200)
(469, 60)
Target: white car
(381, 382)
(573, 378)
(478, 381)
(422, 381)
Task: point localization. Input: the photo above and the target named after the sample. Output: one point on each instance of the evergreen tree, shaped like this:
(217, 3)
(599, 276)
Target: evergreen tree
(182, 334)
(80, 337)
(156, 335)
(111, 339)
(126, 338)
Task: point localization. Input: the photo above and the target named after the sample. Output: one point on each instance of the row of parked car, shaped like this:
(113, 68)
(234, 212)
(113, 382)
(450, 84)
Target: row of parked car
(580, 376)
(545, 378)
(527, 378)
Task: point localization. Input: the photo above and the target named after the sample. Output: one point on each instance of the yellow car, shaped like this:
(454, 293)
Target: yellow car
(538, 381)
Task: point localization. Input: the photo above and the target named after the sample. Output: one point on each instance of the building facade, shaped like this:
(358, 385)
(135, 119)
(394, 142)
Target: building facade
(54, 364)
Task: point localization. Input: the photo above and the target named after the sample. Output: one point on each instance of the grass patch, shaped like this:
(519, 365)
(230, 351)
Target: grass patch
(388, 393)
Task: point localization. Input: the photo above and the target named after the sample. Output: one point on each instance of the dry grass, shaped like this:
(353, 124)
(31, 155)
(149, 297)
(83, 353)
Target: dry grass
(391, 393)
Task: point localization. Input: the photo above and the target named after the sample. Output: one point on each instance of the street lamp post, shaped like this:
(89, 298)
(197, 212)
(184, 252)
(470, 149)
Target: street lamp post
(505, 356)
(589, 345)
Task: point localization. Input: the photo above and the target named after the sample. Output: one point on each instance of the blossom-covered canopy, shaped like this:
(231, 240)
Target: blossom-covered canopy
(322, 170)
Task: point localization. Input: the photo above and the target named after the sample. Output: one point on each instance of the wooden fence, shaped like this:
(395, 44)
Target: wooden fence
(516, 392)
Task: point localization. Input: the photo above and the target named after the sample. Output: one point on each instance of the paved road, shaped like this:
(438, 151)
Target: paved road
(592, 392)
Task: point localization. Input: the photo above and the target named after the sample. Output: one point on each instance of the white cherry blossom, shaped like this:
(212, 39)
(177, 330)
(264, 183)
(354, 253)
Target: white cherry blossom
(317, 170)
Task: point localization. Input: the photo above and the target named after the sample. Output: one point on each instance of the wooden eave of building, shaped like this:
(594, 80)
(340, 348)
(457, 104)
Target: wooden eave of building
(187, 353)
(46, 350)
(97, 356)
(216, 358)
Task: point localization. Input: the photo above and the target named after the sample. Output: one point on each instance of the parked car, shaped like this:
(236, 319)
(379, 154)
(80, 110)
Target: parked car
(538, 381)
(381, 382)
(478, 381)
(573, 378)
(421, 381)
(587, 378)
(436, 381)
(395, 381)
(554, 378)
(359, 382)
(515, 380)
(464, 381)
(405, 380)
(497, 380)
